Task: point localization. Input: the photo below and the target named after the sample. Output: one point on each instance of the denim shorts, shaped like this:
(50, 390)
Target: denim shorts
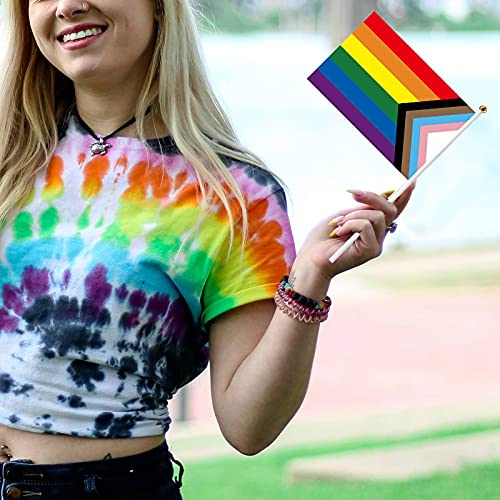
(147, 475)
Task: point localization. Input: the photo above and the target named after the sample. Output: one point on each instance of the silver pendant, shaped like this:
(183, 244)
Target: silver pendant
(99, 148)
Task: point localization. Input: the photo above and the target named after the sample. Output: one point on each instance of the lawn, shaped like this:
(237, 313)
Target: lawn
(473, 267)
(263, 477)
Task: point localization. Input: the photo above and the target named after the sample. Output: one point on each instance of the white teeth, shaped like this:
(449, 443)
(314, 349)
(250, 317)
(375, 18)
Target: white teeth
(81, 34)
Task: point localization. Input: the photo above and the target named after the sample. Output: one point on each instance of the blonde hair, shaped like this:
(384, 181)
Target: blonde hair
(35, 97)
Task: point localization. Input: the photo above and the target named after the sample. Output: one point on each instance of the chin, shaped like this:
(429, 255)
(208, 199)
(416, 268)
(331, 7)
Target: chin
(86, 74)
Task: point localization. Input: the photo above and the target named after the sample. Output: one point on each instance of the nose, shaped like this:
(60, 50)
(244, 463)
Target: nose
(67, 9)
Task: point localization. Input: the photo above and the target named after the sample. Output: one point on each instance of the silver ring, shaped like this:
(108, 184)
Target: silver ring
(391, 227)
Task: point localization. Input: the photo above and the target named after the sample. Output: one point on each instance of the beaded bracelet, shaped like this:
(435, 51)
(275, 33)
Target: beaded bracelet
(299, 306)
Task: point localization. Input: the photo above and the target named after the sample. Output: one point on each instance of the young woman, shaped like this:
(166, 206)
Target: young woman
(136, 232)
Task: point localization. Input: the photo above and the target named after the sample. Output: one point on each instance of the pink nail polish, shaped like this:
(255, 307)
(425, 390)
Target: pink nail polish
(356, 192)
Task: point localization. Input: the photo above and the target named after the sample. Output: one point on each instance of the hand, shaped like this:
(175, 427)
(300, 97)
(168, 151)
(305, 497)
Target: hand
(312, 268)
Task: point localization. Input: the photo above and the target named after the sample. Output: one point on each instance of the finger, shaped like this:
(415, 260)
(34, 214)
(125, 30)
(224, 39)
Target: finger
(342, 213)
(376, 201)
(389, 193)
(345, 211)
(400, 204)
(403, 200)
(376, 217)
(368, 240)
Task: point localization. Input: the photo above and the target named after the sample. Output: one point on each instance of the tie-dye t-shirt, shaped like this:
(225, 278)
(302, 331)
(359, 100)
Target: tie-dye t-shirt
(109, 277)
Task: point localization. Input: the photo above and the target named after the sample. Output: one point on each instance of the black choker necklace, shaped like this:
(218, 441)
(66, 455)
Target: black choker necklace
(101, 147)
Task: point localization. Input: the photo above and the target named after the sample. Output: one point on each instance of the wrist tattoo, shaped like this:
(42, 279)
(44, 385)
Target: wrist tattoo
(107, 457)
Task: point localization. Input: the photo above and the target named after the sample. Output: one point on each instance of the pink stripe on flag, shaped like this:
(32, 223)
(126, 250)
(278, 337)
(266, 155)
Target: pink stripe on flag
(425, 130)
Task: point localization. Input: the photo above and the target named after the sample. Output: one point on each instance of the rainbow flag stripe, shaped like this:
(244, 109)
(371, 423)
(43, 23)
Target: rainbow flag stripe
(380, 84)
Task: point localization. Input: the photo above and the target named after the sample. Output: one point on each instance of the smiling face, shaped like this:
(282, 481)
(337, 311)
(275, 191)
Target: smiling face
(106, 40)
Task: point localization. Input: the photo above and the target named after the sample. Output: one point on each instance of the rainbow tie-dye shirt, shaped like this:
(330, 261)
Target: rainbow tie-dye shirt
(109, 276)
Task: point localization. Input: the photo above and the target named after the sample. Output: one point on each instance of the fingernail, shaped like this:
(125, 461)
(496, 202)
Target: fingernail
(334, 234)
(356, 192)
(335, 221)
(388, 193)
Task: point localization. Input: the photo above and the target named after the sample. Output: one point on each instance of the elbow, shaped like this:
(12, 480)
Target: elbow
(251, 435)
(250, 452)
(248, 446)
(248, 449)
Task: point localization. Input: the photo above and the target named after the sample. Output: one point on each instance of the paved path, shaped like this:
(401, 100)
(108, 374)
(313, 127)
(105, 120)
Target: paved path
(398, 351)
(198, 441)
(388, 365)
(400, 463)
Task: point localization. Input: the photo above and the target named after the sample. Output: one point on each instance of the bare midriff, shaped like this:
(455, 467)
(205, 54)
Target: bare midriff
(56, 448)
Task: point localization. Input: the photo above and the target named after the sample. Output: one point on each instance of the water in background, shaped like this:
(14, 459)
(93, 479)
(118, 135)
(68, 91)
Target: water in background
(261, 81)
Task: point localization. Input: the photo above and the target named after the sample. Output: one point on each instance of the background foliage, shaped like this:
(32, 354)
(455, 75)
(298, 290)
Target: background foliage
(315, 15)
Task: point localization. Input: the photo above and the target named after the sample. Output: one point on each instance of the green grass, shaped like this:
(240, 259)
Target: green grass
(474, 483)
(263, 477)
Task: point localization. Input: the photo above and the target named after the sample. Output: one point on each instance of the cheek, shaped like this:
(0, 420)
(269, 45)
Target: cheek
(44, 49)
(138, 38)
(37, 30)
(140, 26)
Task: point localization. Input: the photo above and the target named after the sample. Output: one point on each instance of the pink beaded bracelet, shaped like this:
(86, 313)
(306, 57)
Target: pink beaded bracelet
(299, 306)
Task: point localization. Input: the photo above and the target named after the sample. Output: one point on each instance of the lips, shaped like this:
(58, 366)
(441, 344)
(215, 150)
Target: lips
(81, 43)
(80, 27)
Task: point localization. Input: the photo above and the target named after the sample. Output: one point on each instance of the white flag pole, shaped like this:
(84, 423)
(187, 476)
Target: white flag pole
(394, 196)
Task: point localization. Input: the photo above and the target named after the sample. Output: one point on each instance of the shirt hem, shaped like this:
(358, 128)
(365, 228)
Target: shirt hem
(239, 299)
(84, 434)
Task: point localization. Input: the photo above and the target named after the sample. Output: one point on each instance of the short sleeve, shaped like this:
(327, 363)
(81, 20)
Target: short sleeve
(237, 277)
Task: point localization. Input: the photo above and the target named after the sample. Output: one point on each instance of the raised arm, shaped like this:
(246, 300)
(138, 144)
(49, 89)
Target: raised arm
(260, 358)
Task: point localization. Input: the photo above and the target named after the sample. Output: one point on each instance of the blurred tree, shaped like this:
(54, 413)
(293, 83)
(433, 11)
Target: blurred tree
(343, 17)
(460, 15)
(234, 16)
(337, 18)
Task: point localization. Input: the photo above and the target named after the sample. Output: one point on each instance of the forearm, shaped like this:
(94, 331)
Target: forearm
(270, 384)
(264, 382)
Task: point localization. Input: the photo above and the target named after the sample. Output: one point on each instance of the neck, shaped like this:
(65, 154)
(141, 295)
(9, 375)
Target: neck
(104, 112)
(106, 102)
